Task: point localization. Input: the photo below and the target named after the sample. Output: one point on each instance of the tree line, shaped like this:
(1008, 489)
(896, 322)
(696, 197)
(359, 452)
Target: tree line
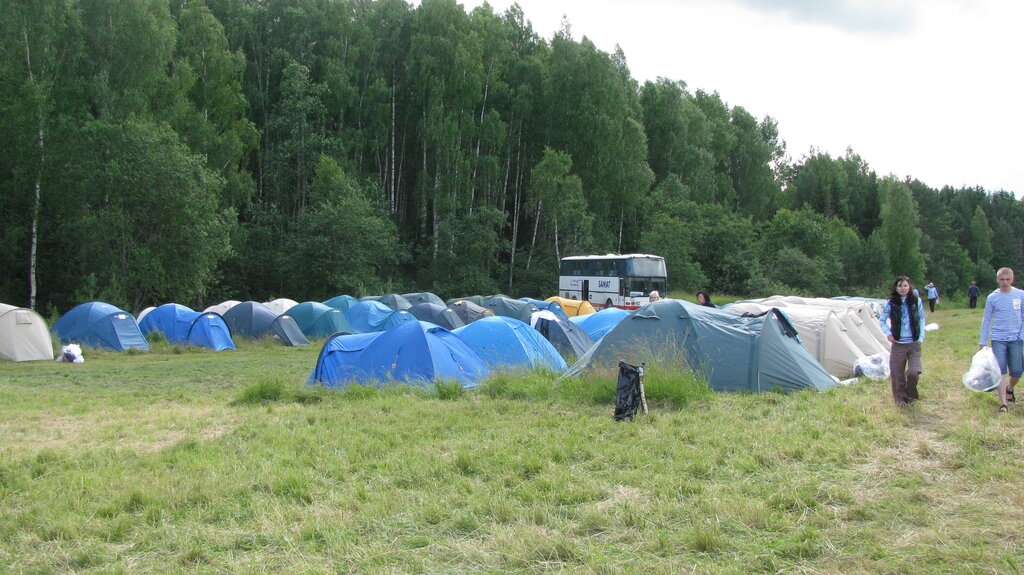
(199, 150)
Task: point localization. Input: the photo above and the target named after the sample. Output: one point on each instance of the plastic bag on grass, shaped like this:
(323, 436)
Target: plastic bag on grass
(872, 366)
(984, 374)
(70, 353)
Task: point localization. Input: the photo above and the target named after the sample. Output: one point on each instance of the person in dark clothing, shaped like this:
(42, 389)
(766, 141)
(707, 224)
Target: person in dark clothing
(972, 295)
(902, 321)
(704, 299)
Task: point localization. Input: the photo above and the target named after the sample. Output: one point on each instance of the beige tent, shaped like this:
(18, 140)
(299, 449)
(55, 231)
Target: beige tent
(866, 321)
(23, 335)
(142, 314)
(222, 307)
(281, 305)
(822, 333)
(573, 307)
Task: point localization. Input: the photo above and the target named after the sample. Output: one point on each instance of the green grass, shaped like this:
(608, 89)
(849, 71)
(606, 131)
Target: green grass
(193, 461)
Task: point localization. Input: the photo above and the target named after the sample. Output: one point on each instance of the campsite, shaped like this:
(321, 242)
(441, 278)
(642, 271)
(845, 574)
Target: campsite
(184, 459)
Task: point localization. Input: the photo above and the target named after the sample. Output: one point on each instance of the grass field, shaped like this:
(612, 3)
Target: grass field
(189, 461)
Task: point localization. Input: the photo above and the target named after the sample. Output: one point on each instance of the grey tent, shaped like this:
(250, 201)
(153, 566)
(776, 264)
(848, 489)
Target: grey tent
(469, 311)
(477, 299)
(254, 320)
(392, 300)
(424, 297)
(437, 315)
(733, 353)
(568, 338)
(508, 307)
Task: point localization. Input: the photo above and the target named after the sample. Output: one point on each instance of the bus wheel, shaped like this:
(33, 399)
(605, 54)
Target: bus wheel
(608, 303)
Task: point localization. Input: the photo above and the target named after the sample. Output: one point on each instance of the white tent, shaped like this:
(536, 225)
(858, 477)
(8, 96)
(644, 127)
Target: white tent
(223, 307)
(822, 333)
(142, 314)
(23, 335)
(866, 319)
(281, 305)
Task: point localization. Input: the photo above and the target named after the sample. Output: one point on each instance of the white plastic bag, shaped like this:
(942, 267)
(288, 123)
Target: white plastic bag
(872, 366)
(70, 353)
(931, 327)
(984, 374)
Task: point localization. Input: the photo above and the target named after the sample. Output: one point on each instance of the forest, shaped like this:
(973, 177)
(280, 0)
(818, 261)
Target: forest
(193, 151)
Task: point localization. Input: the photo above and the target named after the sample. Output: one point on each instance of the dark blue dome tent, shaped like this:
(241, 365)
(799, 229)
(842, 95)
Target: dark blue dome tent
(98, 324)
(415, 353)
(437, 315)
(254, 320)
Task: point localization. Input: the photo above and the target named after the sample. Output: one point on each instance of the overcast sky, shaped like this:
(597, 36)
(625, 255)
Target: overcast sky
(926, 88)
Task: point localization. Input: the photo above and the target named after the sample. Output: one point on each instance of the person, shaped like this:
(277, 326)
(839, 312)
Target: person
(972, 295)
(704, 299)
(933, 296)
(902, 321)
(654, 295)
(1002, 325)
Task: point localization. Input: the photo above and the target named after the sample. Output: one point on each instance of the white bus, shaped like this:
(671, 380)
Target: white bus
(612, 280)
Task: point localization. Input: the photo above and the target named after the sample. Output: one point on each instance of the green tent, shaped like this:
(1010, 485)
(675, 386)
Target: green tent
(733, 353)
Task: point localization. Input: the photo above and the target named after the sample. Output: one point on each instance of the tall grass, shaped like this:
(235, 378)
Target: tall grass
(204, 462)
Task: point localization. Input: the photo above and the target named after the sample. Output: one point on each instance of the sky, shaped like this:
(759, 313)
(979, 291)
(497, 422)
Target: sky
(930, 89)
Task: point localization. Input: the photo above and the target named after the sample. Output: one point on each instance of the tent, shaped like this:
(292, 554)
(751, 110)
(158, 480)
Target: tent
(392, 300)
(183, 326)
(865, 316)
(417, 353)
(509, 307)
(509, 344)
(573, 307)
(318, 320)
(254, 320)
(477, 299)
(342, 302)
(98, 324)
(223, 306)
(369, 316)
(599, 323)
(23, 335)
(731, 352)
(281, 304)
(142, 314)
(469, 311)
(437, 315)
(822, 333)
(551, 306)
(424, 297)
(568, 338)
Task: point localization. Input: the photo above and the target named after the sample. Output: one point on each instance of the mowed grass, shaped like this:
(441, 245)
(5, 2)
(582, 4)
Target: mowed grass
(201, 462)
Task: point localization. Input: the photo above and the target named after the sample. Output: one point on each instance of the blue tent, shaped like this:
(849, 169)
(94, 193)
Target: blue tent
(551, 306)
(342, 302)
(183, 326)
(98, 324)
(507, 343)
(417, 353)
(600, 323)
(254, 320)
(369, 316)
(731, 352)
(318, 320)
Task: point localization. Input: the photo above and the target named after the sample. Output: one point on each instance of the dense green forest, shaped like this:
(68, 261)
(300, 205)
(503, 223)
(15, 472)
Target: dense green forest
(195, 151)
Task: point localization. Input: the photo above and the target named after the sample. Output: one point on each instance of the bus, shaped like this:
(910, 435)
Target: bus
(613, 280)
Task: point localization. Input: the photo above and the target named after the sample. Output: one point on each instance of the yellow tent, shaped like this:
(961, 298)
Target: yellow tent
(573, 307)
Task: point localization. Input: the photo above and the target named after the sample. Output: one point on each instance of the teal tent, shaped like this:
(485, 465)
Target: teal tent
(318, 320)
(733, 353)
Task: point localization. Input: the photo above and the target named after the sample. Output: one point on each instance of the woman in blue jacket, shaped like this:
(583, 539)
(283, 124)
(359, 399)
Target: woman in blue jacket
(902, 322)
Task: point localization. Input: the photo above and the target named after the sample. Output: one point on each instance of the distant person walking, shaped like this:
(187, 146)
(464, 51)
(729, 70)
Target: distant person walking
(1003, 326)
(902, 321)
(972, 295)
(933, 296)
